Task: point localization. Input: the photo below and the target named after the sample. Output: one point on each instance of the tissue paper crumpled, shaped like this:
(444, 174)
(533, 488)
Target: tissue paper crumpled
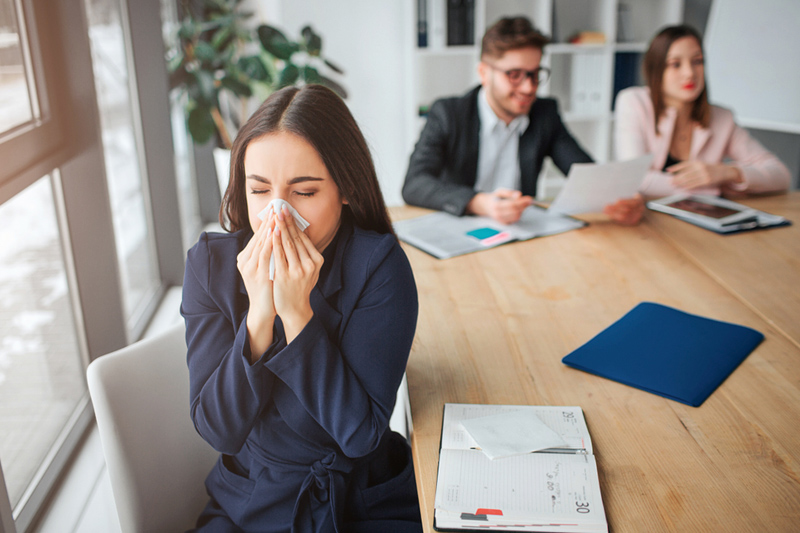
(275, 206)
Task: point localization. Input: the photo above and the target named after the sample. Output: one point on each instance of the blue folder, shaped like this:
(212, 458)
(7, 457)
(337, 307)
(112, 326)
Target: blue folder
(668, 352)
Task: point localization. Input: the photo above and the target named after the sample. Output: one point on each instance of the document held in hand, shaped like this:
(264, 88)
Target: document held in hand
(668, 352)
(556, 489)
(592, 186)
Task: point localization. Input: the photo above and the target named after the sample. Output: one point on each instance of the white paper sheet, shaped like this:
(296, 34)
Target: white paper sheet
(514, 433)
(275, 206)
(592, 186)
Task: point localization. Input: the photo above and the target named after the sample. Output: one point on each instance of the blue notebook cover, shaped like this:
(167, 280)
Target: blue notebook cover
(668, 352)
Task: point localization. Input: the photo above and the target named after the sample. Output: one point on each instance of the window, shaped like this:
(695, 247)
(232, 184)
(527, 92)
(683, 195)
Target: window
(16, 104)
(41, 373)
(126, 185)
(191, 221)
(87, 243)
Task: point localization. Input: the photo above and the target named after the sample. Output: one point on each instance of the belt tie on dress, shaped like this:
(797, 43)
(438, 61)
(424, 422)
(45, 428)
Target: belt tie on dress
(323, 485)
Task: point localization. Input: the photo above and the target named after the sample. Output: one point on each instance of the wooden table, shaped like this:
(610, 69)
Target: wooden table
(494, 325)
(761, 268)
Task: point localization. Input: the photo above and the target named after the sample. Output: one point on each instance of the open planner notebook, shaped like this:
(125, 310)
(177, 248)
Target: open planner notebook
(556, 489)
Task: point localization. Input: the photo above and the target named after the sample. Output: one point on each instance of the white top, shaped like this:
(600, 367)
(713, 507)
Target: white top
(498, 149)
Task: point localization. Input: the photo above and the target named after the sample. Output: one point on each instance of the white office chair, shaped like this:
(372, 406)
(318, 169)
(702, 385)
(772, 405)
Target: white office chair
(156, 460)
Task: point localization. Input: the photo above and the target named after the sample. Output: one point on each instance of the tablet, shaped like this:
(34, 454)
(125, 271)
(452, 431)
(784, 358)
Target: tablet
(710, 211)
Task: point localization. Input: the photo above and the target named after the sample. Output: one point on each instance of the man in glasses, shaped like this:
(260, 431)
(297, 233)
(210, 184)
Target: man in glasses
(481, 153)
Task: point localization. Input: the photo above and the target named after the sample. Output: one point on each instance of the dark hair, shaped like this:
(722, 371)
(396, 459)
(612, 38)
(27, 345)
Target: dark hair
(320, 117)
(654, 64)
(511, 33)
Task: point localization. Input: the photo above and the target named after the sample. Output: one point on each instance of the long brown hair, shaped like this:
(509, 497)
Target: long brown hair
(654, 64)
(320, 117)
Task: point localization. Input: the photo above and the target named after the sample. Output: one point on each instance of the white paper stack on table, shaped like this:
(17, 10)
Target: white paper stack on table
(553, 489)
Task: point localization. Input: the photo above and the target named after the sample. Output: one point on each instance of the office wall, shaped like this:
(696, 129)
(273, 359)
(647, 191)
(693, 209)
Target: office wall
(366, 38)
(372, 42)
(784, 145)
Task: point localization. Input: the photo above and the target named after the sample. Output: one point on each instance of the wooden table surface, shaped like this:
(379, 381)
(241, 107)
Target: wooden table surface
(494, 325)
(761, 268)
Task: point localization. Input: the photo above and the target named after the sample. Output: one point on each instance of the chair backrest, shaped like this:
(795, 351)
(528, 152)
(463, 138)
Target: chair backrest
(156, 461)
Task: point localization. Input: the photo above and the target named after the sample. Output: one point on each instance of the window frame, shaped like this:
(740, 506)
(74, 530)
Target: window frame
(66, 143)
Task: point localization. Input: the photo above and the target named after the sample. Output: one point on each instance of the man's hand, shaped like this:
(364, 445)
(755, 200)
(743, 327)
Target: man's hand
(627, 212)
(503, 205)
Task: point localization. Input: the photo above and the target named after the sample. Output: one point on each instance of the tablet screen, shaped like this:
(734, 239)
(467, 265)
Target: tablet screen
(700, 208)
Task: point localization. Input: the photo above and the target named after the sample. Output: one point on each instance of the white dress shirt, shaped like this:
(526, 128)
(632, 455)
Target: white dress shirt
(498, 149)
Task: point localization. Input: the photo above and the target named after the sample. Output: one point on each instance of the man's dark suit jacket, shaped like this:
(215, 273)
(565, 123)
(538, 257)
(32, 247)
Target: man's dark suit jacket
(444, 166)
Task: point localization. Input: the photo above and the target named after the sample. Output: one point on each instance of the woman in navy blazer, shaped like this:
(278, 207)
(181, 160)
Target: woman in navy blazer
(293, 380)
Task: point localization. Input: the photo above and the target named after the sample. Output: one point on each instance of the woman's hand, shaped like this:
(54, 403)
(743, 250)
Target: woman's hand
(693, 174)
(253, 265)
(627, 211)
(297, 266)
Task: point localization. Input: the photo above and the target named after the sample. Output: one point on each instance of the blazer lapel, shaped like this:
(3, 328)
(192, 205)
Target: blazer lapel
(325, 296)
(666, 127)
(239, 281)
(472, 138)
(700, 137)
(527, 164)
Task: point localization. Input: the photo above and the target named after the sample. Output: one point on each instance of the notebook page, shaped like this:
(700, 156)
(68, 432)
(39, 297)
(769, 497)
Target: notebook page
(567, 421)
(553, 488)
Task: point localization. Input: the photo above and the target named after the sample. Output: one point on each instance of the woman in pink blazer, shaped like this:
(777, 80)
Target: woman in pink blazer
(696, 146)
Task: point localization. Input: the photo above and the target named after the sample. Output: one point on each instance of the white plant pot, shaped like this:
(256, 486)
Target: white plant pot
(222, 162)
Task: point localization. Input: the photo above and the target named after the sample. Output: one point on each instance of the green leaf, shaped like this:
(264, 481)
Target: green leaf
(204, 52)
(332, 85)
(238, 87)
(333, 67)
(221, 21)
(188, 30)
(254, 68)
(276, 42)
(313, 42)
(201, 125)
(310, 75)
(175, 62)
(221, 38)
(207, 91)
(289, 75)
(244, 15)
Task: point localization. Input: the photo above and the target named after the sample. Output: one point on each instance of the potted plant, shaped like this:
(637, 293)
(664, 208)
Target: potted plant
(226, 69)
(222, 65)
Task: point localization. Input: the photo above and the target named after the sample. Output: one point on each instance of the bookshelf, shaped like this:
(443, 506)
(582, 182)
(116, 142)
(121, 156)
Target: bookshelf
(585, 77)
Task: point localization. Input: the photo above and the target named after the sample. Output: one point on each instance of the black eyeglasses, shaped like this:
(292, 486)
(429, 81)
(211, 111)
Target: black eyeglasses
(517, 75)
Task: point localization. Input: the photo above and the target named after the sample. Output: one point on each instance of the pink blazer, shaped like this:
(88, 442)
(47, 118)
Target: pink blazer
(635, 135)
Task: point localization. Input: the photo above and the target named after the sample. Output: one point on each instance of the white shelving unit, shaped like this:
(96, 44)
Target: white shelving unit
(583, 75)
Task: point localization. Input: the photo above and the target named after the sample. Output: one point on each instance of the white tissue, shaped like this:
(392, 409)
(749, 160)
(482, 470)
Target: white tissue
(275, 206)
(512, 433)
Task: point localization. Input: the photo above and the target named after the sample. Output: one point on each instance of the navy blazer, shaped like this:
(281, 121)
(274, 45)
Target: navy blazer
(303, 432)
(444, 165)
